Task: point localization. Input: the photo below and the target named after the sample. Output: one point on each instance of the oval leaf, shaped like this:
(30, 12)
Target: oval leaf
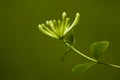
(82, 67)
(98, 48)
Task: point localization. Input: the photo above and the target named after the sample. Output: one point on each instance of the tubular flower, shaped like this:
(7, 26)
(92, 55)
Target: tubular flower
(58, 29)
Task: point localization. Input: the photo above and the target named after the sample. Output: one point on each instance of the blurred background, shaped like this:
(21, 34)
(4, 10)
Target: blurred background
(28, 54)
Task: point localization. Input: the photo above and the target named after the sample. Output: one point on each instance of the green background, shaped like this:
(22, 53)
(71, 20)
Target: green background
(28, 54)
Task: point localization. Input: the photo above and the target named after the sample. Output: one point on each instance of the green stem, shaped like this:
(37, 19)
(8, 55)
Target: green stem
(89, 58)
(111, 65)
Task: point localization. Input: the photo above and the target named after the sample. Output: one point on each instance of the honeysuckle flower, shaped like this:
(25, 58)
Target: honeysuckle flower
(58, 29)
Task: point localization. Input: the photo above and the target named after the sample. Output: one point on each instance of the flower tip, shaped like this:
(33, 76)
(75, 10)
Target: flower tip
(78, 14)
(64, 14)
(39, 25)
(47, 22)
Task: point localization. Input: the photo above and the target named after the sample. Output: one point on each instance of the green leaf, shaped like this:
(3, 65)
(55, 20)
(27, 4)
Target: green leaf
(70, 38)
(82, 67)
(98, 48)
(65, 54)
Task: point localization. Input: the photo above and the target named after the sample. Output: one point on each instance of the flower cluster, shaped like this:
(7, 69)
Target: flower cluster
(58, 29)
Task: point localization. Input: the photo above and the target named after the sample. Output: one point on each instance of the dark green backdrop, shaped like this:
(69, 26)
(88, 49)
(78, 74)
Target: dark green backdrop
(27, 54)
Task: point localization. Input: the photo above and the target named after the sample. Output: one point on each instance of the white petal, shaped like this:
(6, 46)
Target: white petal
(47, 32)
(74, 23)
(63, 18)
(50, 24)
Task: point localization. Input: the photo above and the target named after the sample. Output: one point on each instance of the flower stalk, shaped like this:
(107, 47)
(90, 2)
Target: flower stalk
(74, 49)
(59, 29)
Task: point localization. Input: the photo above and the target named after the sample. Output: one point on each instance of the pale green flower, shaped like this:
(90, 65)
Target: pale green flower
(58, 29)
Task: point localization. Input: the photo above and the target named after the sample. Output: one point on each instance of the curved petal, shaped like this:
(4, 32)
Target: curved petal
(66, 26)
(64, 15)
(75, 21)
(51, 25)
(73, 24)
(47, 31)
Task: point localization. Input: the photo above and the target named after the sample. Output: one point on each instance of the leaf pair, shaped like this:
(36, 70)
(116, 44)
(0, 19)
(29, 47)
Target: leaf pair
(97, 50)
